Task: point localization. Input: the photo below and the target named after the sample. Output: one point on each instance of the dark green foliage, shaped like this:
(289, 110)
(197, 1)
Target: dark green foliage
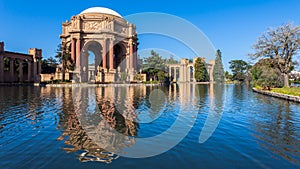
(64, 56)
(228, 76)
(154, 62)
(171, 60)
(239, 69)
(155, 66)
(266, 74)
(162, 76)
(201, 74)
(218, 71)
(47, 68)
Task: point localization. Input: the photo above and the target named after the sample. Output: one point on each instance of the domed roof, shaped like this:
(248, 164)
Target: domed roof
(101, 10)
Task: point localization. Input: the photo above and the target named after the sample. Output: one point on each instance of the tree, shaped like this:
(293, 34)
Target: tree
(266, 74)
(218, 71)
(171, 60)
(153, 64)
(52, 61)
(64, 56)
(201, 74)
(280, 44)
(239, 69)
(228, 76)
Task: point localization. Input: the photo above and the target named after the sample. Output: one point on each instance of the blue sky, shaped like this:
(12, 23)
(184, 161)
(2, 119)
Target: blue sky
(232, 26)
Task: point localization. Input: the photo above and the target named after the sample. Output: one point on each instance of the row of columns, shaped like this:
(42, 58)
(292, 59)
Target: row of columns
(184, 73)
(174, 68)
(36, 68)
(76, 51)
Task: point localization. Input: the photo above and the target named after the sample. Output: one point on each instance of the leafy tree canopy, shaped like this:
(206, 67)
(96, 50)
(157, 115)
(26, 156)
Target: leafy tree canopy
(280, 44)
(201, 74)
(239, 69)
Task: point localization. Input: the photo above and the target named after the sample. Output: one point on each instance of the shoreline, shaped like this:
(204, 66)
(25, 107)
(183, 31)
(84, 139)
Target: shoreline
(278, 95)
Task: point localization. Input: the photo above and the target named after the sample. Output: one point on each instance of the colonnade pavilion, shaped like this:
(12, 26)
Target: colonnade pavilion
(20, 67)
(103, 45)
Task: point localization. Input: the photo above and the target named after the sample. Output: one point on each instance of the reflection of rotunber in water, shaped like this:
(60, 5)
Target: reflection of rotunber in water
(96, 135)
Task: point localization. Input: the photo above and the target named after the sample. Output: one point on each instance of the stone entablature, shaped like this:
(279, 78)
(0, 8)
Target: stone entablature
(110, 37)
(21, 67)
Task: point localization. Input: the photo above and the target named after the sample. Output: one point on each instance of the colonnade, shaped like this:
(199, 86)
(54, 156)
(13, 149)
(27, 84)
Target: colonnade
(19, 67)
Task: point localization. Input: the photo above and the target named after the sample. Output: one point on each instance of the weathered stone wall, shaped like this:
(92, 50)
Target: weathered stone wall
(278, 95)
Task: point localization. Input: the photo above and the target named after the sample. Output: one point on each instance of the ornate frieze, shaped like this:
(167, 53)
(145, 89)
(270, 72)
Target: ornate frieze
(97, 25)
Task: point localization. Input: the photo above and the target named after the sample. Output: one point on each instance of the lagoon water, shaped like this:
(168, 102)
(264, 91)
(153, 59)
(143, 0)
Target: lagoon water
(179, 126)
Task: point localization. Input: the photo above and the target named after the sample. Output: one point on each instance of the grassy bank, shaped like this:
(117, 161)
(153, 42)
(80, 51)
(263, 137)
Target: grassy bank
(294, 91)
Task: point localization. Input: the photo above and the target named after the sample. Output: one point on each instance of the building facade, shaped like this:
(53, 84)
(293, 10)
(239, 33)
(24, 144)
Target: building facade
(19, 67)
(184, 71)
(102, 44)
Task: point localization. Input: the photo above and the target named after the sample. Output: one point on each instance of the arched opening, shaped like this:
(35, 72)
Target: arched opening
(120, 57)
(90, 60)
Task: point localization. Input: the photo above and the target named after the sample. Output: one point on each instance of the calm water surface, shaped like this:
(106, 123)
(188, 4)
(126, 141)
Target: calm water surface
(102, 127)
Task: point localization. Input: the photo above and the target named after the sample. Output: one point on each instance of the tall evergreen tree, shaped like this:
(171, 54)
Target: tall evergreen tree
(153, 64)
(218, 71)
(201, 74)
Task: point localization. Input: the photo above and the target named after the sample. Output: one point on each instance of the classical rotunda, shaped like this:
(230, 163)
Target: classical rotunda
(102, 44)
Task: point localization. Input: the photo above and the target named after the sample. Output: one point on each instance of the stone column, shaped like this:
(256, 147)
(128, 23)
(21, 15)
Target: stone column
(135, 56)
(11, 69)
(40, 66)
(35, 65)
(1, 68)
(20, 70)
(130, 55)
(73, 50)
(189, 74)
(78, 50)
(104, 65)
(29, 71)
(111, 54)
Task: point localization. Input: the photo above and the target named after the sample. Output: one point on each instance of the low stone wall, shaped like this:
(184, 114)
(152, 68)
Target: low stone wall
(97, 85)
(278, 95)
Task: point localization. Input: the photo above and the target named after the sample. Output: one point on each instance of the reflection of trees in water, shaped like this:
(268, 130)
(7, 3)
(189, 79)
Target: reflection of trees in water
(277, 128)
(95, 133)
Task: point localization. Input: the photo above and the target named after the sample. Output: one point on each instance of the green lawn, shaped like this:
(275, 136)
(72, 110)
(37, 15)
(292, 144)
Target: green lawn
(295, 91)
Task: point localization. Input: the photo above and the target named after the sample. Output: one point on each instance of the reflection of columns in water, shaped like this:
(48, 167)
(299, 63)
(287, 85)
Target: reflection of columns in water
(211, 90)
(175, 91)
(170, 92)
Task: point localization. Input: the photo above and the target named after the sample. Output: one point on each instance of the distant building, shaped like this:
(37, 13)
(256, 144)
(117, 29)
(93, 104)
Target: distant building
(19, 67)
(184, 71)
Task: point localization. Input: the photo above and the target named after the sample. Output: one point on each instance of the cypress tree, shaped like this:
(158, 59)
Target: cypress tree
(218, 71)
